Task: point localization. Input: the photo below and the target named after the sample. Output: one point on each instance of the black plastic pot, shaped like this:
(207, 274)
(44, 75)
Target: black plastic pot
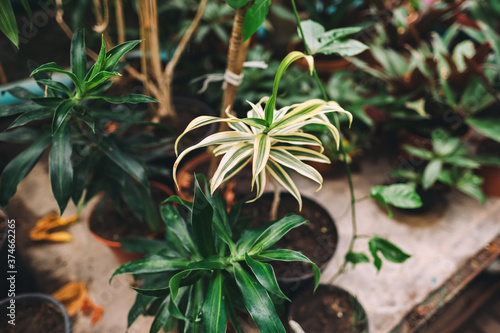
(21, 302)
(317, 240)
(329, 309)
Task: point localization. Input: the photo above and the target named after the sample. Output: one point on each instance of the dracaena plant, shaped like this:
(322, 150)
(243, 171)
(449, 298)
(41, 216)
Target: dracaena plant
(82, 150)
(272, 139)
(195, 280)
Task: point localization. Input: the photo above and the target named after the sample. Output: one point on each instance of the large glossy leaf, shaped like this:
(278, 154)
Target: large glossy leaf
(8, 23)
(254, 17)
(398, 195)
(257, 302)
(201, 221)
(161, 316)
(126, 162)
(61, 166)
(431, 173)
(265, 275)
(193, 311)
(213, 309)
(20, 167)
(78, 57)
(61, 113)
(390, 251)
(178, 232)
(275, 232)
(289, 255)
(151, 264)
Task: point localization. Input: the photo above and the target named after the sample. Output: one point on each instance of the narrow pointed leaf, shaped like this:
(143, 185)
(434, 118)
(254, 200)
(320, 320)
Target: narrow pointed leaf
(282, 177)
(161, 316)
(114, 55)
(61, 113)
(193, 311)
(284, 158)
(130, 98)
(20, 167)
(257, 302)
(262, 147)
(201, 220)
(177, 229)
(306, 154)
(61, 166)
(56, 86)
(235, 155)
(8, 23)
(28, 117)
(298, 139)
(149, 265)
(20, 135)
(78, 57)
(213, 309)
(275, 232)
(53, 67)
(13, 109)
(265, 275)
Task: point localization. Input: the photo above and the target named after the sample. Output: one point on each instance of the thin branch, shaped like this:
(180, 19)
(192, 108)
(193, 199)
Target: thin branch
(120, 21)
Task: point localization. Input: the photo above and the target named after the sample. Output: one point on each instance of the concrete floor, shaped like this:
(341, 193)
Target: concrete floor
(438, 241)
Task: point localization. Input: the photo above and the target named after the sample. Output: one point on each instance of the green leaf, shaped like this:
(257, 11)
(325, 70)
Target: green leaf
(21, 93)
(8, 23)
(138, 308)
(61, 113)
(286, 159)
(114, 55)
(398, 195)
(13, 109)
(124, 161)
(470, 184)
(275, 232)
(78, 57)
(489, 127)
(345, 48)
(141, 245)
(61, 166)
(151, 264)
(418, 152)
(261, 150)
(390, 251)
(237, 3)
(213, 309)
(177, 230)
(53, 67)
(100, 63)
(289, 255)
(130, 98)
(265, 275)
(356, 258)
(28, 117)
(431, 173)
(20, 167)
(161, 316)
(284, 179)
(211, 263)
(194, 311)
(254, 17)
(50, 102)
(98, 79)
(201, 220)
(312, 30)
(443, 144)
(257, 302)
(56, 86)
(236, 154)
(20, 135)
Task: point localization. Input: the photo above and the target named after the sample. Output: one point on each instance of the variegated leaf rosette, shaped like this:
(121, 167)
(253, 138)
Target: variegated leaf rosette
(272, 139)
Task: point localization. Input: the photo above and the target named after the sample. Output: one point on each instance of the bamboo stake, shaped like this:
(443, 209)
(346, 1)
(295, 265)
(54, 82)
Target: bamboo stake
(120, 21)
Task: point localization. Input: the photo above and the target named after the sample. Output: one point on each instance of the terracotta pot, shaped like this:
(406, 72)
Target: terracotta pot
(329, 309)
(42, 308)
(317, 240)
(114, 245)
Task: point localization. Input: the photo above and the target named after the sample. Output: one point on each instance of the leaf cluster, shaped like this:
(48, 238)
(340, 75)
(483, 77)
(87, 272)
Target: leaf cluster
(209, 266)
(87, 145)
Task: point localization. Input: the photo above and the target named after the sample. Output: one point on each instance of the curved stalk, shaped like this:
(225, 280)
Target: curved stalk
(342, 151)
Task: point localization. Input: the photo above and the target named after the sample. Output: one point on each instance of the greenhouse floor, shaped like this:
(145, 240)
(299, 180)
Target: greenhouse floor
(450, 246)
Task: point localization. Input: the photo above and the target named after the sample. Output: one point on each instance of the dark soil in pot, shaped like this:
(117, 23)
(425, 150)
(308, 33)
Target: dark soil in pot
(317, 240)
(35, 313)
(113, 225)
(330, 310)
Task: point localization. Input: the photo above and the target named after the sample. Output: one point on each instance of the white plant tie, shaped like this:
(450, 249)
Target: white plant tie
(228, 76)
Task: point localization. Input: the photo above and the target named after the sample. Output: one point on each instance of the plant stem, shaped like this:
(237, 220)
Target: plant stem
(273, 214)
(342, 151)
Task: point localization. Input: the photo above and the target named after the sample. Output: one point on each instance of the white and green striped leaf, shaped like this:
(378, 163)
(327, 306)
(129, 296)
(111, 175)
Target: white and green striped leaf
(298, 139)
(277, 172)
(306, 154)
(282, 157)
(262, 147)
(237, 153)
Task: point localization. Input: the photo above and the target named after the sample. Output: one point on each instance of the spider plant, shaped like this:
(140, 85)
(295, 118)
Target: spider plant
(271, 139)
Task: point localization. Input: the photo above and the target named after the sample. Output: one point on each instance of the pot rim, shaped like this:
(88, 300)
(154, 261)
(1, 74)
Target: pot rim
(41, 298)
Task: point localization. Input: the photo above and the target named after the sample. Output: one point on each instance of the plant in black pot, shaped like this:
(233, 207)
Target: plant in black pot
(211, 269)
